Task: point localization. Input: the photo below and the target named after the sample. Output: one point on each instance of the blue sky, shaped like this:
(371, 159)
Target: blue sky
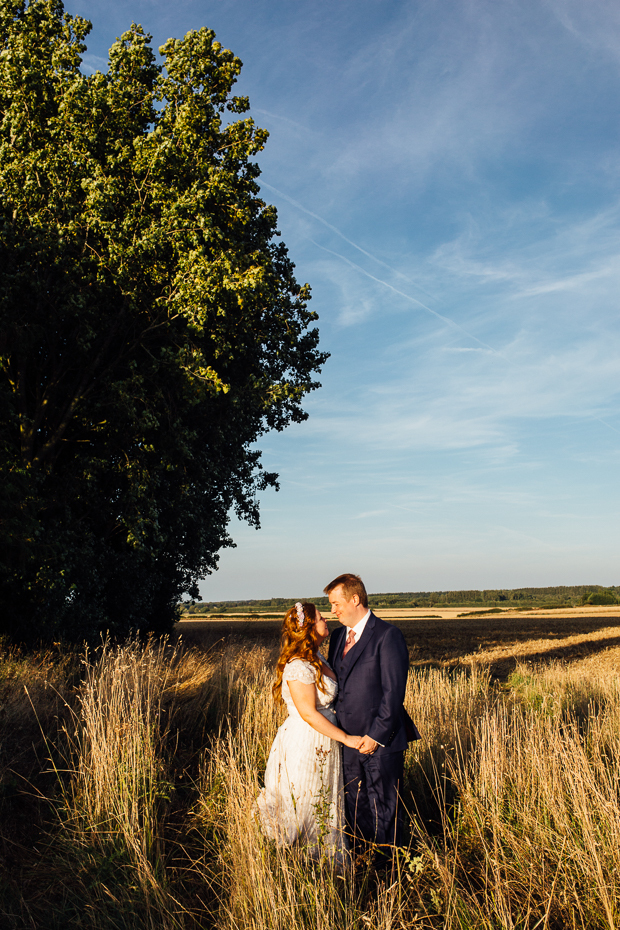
(447, 177)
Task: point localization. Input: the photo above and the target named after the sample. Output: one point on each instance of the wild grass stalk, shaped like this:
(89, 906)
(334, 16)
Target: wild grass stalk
(540, 816)
(514, 796)
(117, 788)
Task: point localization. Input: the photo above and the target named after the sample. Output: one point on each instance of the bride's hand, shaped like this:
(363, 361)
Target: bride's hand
(353, 742)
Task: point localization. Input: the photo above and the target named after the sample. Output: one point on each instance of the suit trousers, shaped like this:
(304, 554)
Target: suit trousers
(371, 794)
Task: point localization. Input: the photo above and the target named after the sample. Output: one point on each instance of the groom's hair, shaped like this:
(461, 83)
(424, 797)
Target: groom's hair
(351, 584)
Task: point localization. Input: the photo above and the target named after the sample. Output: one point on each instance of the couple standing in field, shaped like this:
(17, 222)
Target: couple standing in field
(314, 790)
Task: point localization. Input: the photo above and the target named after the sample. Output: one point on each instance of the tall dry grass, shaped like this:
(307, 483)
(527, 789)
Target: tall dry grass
(513, 800)
(117, 786)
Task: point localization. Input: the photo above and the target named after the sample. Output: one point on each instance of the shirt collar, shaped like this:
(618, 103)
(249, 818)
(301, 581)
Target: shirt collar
(358, 629)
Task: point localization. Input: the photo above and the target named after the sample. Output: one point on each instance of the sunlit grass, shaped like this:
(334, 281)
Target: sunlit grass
(139, 796)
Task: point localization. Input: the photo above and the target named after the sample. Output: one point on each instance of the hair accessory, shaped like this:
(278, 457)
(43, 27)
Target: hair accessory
(300, 613)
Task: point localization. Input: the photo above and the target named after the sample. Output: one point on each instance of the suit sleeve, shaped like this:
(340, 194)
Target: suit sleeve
(394, 667)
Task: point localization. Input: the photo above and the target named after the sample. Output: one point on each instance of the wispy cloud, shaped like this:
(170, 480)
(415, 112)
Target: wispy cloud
(596, 24)
(92, 63)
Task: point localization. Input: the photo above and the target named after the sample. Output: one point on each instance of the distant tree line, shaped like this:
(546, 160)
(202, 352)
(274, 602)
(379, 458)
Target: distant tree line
(555, 596)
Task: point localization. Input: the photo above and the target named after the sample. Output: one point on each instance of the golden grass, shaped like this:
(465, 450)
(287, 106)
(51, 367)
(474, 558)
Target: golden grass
(139, 812)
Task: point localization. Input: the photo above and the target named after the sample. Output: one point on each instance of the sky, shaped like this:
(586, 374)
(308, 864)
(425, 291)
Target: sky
(447, 179)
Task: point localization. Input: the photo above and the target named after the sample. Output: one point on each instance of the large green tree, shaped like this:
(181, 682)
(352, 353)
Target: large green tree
(151, 325)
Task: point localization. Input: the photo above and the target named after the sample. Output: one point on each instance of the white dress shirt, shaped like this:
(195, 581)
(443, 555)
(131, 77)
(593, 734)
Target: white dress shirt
(358, 629)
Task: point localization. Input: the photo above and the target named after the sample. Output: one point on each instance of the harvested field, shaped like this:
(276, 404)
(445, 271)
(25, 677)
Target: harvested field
(497, 641)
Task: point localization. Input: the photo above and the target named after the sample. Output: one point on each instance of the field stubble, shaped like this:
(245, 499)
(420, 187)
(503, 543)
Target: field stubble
(127, 798)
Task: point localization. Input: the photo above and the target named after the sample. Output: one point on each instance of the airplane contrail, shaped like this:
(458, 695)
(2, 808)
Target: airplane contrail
(346, 239)
(606, 424)
(414, 300)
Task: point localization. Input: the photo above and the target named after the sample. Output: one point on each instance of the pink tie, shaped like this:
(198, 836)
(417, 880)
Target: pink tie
(350, 642)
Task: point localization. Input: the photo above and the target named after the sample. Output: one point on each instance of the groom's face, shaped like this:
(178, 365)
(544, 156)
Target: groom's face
(346, 611)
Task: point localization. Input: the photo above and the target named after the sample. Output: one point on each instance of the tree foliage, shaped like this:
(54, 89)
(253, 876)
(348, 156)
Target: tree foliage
(151, 325)
(600, 598)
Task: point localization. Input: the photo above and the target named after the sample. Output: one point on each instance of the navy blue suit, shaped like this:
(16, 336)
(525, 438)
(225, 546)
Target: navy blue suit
(371, 687)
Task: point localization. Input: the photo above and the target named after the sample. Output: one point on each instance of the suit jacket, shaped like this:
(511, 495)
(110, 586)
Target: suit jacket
(371, 684)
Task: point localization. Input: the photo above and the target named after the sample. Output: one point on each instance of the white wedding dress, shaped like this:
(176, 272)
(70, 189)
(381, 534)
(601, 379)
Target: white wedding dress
(302, 800)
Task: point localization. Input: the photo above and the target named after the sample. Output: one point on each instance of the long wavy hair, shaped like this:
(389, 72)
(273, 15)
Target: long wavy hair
(298, 642)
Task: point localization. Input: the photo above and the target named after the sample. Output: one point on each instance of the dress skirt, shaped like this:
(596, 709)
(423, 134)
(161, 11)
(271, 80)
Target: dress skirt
(302, 800)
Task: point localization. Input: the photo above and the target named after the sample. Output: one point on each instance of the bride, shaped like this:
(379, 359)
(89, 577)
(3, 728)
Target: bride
(303, 795)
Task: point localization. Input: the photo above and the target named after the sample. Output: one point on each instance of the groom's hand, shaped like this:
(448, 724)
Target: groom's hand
(367, 745)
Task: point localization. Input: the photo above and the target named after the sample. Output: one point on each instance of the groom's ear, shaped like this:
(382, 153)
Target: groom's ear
(356, 599)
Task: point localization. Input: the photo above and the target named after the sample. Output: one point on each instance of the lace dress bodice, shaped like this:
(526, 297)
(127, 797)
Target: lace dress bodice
(299, 670)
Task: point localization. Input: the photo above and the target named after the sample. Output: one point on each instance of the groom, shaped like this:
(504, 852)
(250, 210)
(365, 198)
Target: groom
(371, 662)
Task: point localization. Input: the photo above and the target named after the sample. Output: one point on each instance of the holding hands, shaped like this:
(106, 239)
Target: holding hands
(367, 745)
(353, 742)
(363, 744)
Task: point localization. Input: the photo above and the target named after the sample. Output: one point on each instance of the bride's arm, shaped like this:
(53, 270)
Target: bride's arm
(304, 699)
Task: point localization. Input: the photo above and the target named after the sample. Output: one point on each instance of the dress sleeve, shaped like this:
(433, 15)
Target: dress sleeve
(298, 670)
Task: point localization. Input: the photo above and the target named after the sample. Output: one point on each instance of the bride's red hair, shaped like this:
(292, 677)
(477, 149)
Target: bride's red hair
(298, 642)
